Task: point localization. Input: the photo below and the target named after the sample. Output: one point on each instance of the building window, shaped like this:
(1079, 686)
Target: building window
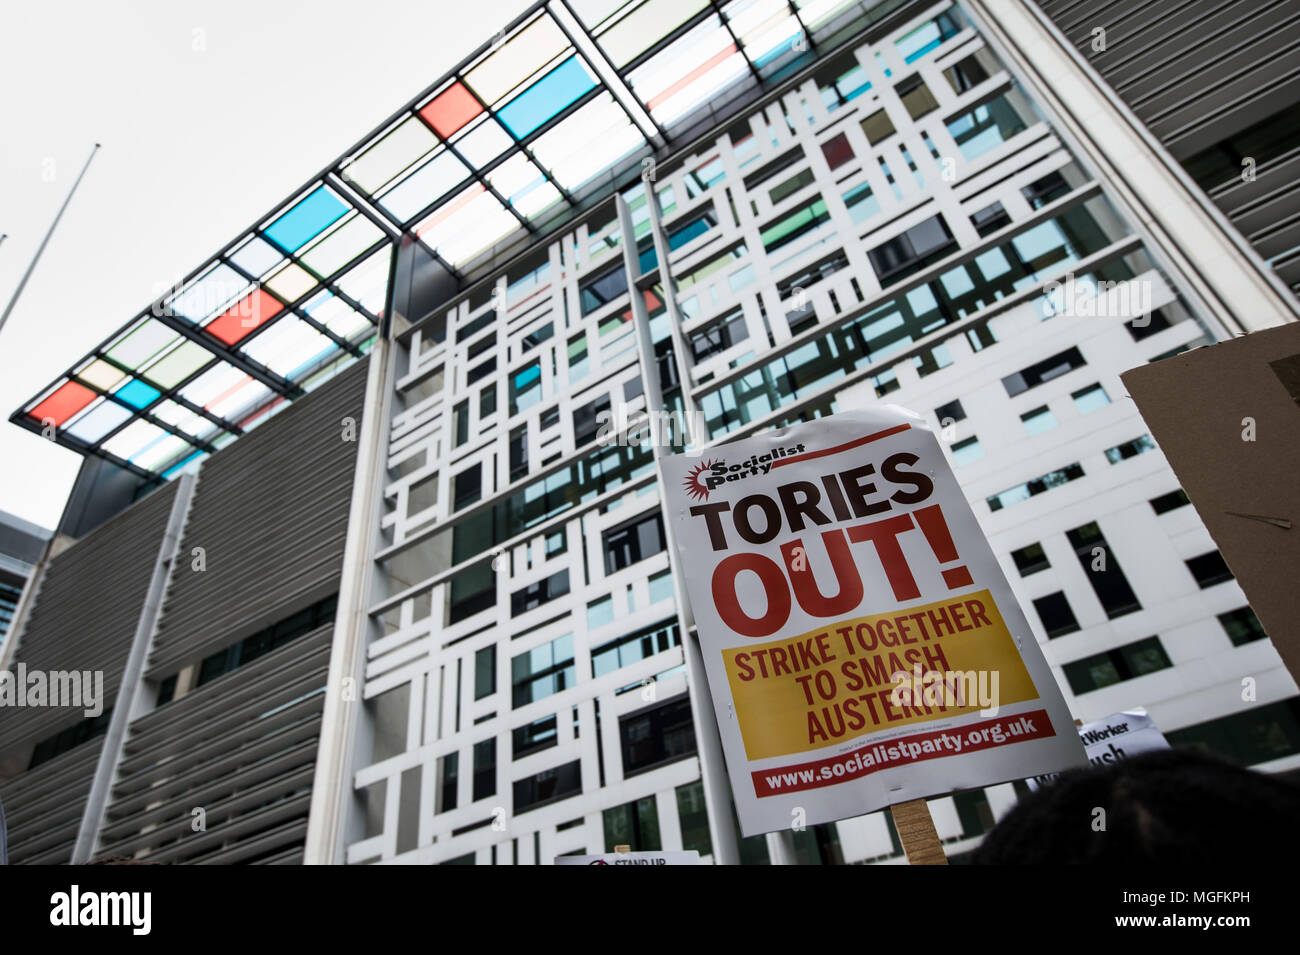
(519, 452)
(635, 647)
(966, 74)
(1209, 569)
(1044, 371)
(730, 330)
(1116, 666)
(1023, 492)
(1030, 559)
(1038, 420)
(466, 487)
(1130, 449)
(1042, 191)
(1109, 583)
(599, 613)
(460, 415)
(1087, 400)
(950, 413)
(472, 591)
(598, 292)
(656, 736)
(487, 401)
(986, 126)
(916, 96)
(533, 737)
(837, 151)
(964, 452)
(634, 824)
(485, 672)
(539, 592)
(1170, 501)
(989, 219)
(543, 671)
(485, 769)
(479, 372)
(1147, 325)
(588, 419)
(548, 786)
(1259, 735)
(693, 815)
(1241, 626)
(910, 251)
(448, 787)
(1055, 613)
(626, 545)
(525, 387)
(878, 127)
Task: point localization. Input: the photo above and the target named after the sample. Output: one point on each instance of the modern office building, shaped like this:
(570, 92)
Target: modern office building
(21, 545)
(388, 570)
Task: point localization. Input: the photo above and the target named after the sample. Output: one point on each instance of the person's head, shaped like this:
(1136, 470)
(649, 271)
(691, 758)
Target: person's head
(1171, 806)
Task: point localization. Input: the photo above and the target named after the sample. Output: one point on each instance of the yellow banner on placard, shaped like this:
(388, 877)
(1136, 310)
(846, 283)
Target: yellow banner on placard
(860, 676)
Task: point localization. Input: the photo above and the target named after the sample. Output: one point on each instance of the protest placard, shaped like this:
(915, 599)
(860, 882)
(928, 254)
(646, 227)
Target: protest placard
(861, 643)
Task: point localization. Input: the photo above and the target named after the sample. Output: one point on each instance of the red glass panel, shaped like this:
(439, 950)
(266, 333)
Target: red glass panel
(450, 110)
(248, 313)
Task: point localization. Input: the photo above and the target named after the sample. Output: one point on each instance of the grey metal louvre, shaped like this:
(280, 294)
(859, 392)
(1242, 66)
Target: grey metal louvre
(242, 748)
(43, 806)
(86, 612)
(270, 513)
(1198, 74)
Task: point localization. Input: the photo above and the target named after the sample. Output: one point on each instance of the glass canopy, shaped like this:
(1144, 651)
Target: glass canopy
(504, 142)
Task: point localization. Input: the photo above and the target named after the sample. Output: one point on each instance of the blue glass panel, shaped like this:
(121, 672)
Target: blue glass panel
(137, 394)
(545, 98)
(308, 219)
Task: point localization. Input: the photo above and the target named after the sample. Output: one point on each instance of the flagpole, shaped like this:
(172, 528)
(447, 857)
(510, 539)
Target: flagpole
(44, 242)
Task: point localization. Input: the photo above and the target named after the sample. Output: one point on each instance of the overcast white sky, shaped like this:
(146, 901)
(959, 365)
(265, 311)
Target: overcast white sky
(209, 114)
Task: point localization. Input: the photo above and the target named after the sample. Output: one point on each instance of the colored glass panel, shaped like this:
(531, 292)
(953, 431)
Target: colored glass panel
(645, 26)
(425, 186)
(69, 398)
(257, 257)
(243, 317)
(483, 143)
(451, 109)
(101, 374)
(213, 291)
(99, 421)
(522, 55)
(291, 283)
(137, 394)
(342, 246)
(586, 143)
(178, 364)
(306, 220)
(142, 343)
(388, 157)
(133, 439)
(162, 452)
(548, 96)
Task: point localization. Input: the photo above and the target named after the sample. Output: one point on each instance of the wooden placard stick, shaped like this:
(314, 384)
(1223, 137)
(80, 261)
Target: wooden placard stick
(916, 831)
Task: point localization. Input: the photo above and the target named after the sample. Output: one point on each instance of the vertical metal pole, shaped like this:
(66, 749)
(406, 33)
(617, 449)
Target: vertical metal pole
(45, 241)
(717, 791)
(131, 703)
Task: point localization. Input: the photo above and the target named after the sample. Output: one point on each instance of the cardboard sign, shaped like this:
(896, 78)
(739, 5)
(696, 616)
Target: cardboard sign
(861, 643)
(1226, 417)
(633, 858)
(1118, 737)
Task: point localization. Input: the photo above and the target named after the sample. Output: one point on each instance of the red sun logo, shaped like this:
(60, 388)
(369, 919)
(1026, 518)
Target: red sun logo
(694, 486)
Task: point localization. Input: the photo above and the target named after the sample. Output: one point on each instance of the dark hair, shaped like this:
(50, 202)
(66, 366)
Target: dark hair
(1172, 806)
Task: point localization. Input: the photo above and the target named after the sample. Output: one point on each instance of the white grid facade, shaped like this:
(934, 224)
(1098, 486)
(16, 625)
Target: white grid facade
(490, 612)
